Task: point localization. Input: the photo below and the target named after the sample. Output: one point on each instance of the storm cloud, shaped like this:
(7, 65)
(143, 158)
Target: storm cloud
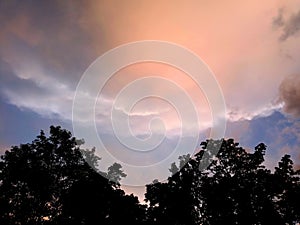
(290, 26)
(289, 92)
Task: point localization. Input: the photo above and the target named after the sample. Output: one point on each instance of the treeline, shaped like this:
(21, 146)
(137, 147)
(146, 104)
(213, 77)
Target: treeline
(49, 182)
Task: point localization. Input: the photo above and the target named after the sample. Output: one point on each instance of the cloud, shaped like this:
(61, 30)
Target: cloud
(48, 51)
(33, 92)
(44, 51)
(279, 132)
(234, 115)
(47, 46)
(289, 94)
(278, 21)
(290, 26)
(50, 35)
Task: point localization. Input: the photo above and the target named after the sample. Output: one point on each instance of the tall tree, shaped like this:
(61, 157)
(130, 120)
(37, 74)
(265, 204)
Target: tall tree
(288, 191)
(235, 189)
(50, 182)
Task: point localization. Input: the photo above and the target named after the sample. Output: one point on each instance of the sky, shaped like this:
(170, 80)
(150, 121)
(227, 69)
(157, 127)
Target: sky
(251, 48)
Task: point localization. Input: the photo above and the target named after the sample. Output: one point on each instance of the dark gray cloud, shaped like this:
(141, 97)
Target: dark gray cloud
(289, 93)
(51, 33)
(278, 21)
(289, 26)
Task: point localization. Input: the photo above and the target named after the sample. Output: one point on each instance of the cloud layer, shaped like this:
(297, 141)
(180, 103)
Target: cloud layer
(289, 92)
(47, 46)
(290, 26)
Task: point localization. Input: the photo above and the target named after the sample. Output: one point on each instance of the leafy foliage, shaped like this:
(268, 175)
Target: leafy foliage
(235, 189)
(50, 182)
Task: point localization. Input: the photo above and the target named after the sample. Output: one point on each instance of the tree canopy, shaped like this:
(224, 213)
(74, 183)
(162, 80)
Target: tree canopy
(235, 189)
(52, 181)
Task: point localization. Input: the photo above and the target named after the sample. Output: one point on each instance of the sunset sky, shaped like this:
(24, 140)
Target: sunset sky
(252, 48)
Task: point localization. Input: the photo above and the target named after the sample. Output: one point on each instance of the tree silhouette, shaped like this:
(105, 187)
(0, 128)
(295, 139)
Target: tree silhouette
(50, 182)
(235, 189)
(288, 191)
